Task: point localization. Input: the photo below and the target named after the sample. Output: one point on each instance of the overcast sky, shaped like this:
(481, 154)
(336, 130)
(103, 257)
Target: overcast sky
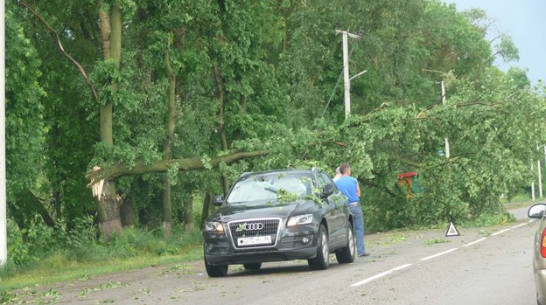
(525, 22)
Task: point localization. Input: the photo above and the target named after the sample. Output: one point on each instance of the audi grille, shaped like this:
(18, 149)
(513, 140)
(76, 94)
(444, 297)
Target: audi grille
(254, 227)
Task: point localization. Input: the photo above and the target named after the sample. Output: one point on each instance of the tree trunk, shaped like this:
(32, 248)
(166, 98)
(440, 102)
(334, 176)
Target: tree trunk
(188, 215)
(105, 31)
(109, 202)
(26, 206)
(161, 166)
(221, 124)
(167, 208)
(109, 210)
(167, 152)
(205, 212)
(127, 213)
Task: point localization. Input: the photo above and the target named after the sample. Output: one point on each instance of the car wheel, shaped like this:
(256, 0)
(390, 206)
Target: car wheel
(320, 262)
(252, 266)
(347, 254)
(216, 270)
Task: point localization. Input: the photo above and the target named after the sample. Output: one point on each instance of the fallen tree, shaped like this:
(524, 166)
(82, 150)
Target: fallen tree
(104, 173)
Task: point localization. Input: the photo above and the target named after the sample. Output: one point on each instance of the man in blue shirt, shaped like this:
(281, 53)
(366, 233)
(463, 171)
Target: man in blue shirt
(350, 188)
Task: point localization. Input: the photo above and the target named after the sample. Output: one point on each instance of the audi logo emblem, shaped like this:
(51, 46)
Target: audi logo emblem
(254, 226)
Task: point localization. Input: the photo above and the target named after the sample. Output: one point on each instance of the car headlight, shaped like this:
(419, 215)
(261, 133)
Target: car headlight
(214, 226)
(300, 220)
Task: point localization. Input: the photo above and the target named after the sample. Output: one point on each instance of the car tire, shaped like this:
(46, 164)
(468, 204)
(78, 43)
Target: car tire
(252, 266)
(215, 270)
(320, 262)
(347, 254)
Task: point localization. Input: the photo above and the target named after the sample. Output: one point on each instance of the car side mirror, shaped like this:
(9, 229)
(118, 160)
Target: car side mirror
(328, 190)
(218, 200)
(537, 211)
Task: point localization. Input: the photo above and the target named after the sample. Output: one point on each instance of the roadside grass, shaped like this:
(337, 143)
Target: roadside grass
(133, 250)
(46, 273)
(520, 201)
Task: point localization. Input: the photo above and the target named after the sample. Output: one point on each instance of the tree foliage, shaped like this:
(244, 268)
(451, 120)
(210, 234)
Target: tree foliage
(261, 81)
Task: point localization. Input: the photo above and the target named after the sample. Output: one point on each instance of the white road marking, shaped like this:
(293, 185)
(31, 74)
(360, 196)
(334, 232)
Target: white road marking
(380, 275)
(519, 226)
(500, 232)
(475, 242)
(439, 254)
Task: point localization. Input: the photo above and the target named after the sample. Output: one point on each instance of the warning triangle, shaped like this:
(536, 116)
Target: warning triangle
(451, 230)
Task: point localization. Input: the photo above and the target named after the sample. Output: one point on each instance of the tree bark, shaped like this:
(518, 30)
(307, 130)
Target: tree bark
(188, 215)
(105, 31)
(205, 212)
(167, 151)
(27, 205)
(161, 166)
(167, 208)
(221, 123)
(285, 15)
(127, 213)
(109, 205)
(109, 202)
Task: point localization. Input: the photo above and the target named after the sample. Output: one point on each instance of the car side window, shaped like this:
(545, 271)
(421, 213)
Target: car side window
(323, 180)
(328, 180)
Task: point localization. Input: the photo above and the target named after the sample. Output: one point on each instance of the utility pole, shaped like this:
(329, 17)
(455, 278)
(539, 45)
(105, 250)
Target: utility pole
(446, 142)
(346, 78)
(544, 146)
(443, 92)
(3, 210)
(346, 81)
(539, 174)
(532, 184)
(539, 180)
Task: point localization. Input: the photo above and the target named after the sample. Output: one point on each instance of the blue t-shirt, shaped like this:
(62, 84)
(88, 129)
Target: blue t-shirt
(347, 185)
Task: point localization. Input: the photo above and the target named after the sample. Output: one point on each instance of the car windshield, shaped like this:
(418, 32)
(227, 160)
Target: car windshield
(268, 187)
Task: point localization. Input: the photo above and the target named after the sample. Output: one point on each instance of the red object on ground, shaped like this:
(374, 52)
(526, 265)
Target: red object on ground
(406, 175)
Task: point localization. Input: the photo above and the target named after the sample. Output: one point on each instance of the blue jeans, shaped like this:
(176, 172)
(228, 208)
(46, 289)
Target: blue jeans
(358, 220)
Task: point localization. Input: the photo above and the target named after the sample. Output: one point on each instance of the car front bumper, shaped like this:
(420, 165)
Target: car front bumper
(263, 255)
(301, 244)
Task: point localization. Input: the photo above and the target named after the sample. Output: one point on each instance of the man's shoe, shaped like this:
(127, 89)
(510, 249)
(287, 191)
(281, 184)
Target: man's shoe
(364, 254)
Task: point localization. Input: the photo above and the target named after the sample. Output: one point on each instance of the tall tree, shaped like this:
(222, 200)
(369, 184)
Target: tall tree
(109, 202)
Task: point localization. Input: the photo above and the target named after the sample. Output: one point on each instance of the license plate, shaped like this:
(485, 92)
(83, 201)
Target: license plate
(253, 240)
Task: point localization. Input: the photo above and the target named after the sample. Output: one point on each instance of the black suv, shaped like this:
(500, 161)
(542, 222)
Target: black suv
(279, 215)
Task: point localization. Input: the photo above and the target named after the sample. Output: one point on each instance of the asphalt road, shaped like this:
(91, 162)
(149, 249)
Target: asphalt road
(481, 266)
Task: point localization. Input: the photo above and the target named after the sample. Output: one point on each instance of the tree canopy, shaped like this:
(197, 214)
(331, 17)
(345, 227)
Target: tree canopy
(179, 95)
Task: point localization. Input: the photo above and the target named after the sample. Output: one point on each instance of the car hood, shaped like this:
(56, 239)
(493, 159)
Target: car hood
(266, 209)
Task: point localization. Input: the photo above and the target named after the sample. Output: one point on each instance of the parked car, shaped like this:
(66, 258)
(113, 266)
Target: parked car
(279, 215)
(539, 259)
